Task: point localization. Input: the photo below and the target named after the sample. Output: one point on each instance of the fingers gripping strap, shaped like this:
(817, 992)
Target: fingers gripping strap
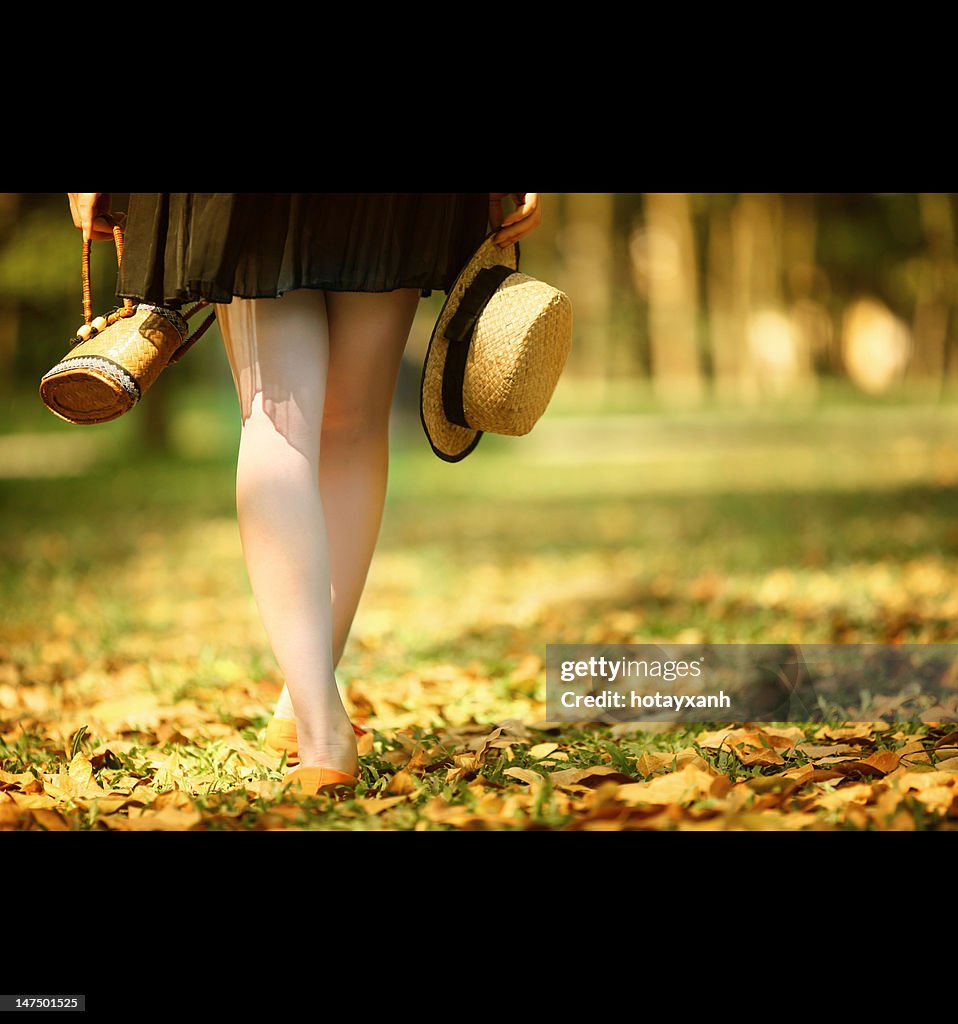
(459, 333)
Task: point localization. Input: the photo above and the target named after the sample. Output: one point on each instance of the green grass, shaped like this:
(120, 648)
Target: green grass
(121, 574)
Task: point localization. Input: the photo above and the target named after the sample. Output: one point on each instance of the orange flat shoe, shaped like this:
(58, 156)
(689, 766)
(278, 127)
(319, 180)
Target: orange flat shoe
(320, 780)
(281, 736)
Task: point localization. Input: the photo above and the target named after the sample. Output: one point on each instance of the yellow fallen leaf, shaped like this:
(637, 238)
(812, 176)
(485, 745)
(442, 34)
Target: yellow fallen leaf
(172, 819)
(376, 805)
(259, 787)
(904, 781)
(938, 798)
(32, 800)
(837, 759)
(758, 755)
(49, 819)
(402, 783)
(81, 771)
(687, 757)
(11, 815)
(860, 793)
(675, 788)
(524, 775)
(800, 774)
(816, 751)
(651, 761)
(63, 787)
(903, 821)
(364, 744)
(948, 765)
(721, 784)
(144, 795)
(883, 761)
(8, 778)
(541, 750)
(773, 821)
(395, 758)
(439, 812)
(714, 740)
(594, 776)
(105, 804)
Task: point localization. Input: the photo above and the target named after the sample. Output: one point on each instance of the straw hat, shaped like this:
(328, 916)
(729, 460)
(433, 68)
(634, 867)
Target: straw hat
(495, 355)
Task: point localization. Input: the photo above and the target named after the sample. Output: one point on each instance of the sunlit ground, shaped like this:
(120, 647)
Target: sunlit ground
(126, 607)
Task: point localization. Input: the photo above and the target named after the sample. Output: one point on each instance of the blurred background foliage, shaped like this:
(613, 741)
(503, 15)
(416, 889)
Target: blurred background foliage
(681, 300)
(712, 331)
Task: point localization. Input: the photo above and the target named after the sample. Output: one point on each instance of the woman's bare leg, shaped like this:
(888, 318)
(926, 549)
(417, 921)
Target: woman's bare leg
(367, 336)
(315, 376)
(279, 354)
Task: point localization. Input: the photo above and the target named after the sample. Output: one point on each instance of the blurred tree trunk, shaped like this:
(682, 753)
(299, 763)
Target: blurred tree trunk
(9, 305)
(154, 417)
(930, 327)
(803, 280)
(673, 298)
(771, 349)
(587, 277)
(753, 278)
(726, 307)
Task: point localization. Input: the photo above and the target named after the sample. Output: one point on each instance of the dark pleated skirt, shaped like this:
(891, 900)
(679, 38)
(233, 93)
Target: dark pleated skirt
(183, 246)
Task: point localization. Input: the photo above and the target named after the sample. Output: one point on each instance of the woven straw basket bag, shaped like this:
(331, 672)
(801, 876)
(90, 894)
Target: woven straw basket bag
(496, 353)
(114, 359)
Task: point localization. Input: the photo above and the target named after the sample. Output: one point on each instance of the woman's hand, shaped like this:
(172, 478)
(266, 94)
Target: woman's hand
(523, 219)
(88, 209)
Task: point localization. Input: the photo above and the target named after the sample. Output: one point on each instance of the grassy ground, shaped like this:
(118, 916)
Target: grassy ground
(135, 678)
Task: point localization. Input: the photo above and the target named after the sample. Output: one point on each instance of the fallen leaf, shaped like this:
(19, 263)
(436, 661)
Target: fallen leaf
(836, 798)
(524, 775)
(105, 804)
(9, 779)
(650, 762)
(675, 788)
(513, 727)
(689, 756)
(883, 761)
(714, 740)
(32, 800)
(721, 784)
(402, 783)
(589, 777)
(758, 756)
(764, 821)
(49, 819)
(816, 751)
(376, 805)
(800, 774)
(843, 759)
(903, 781)
(939, 798)
(396, 757)
(169, 819)
(81, 771)
(11, 815)
(541, 750)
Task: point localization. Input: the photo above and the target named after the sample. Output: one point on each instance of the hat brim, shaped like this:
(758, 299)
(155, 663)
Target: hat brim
(450, 441)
